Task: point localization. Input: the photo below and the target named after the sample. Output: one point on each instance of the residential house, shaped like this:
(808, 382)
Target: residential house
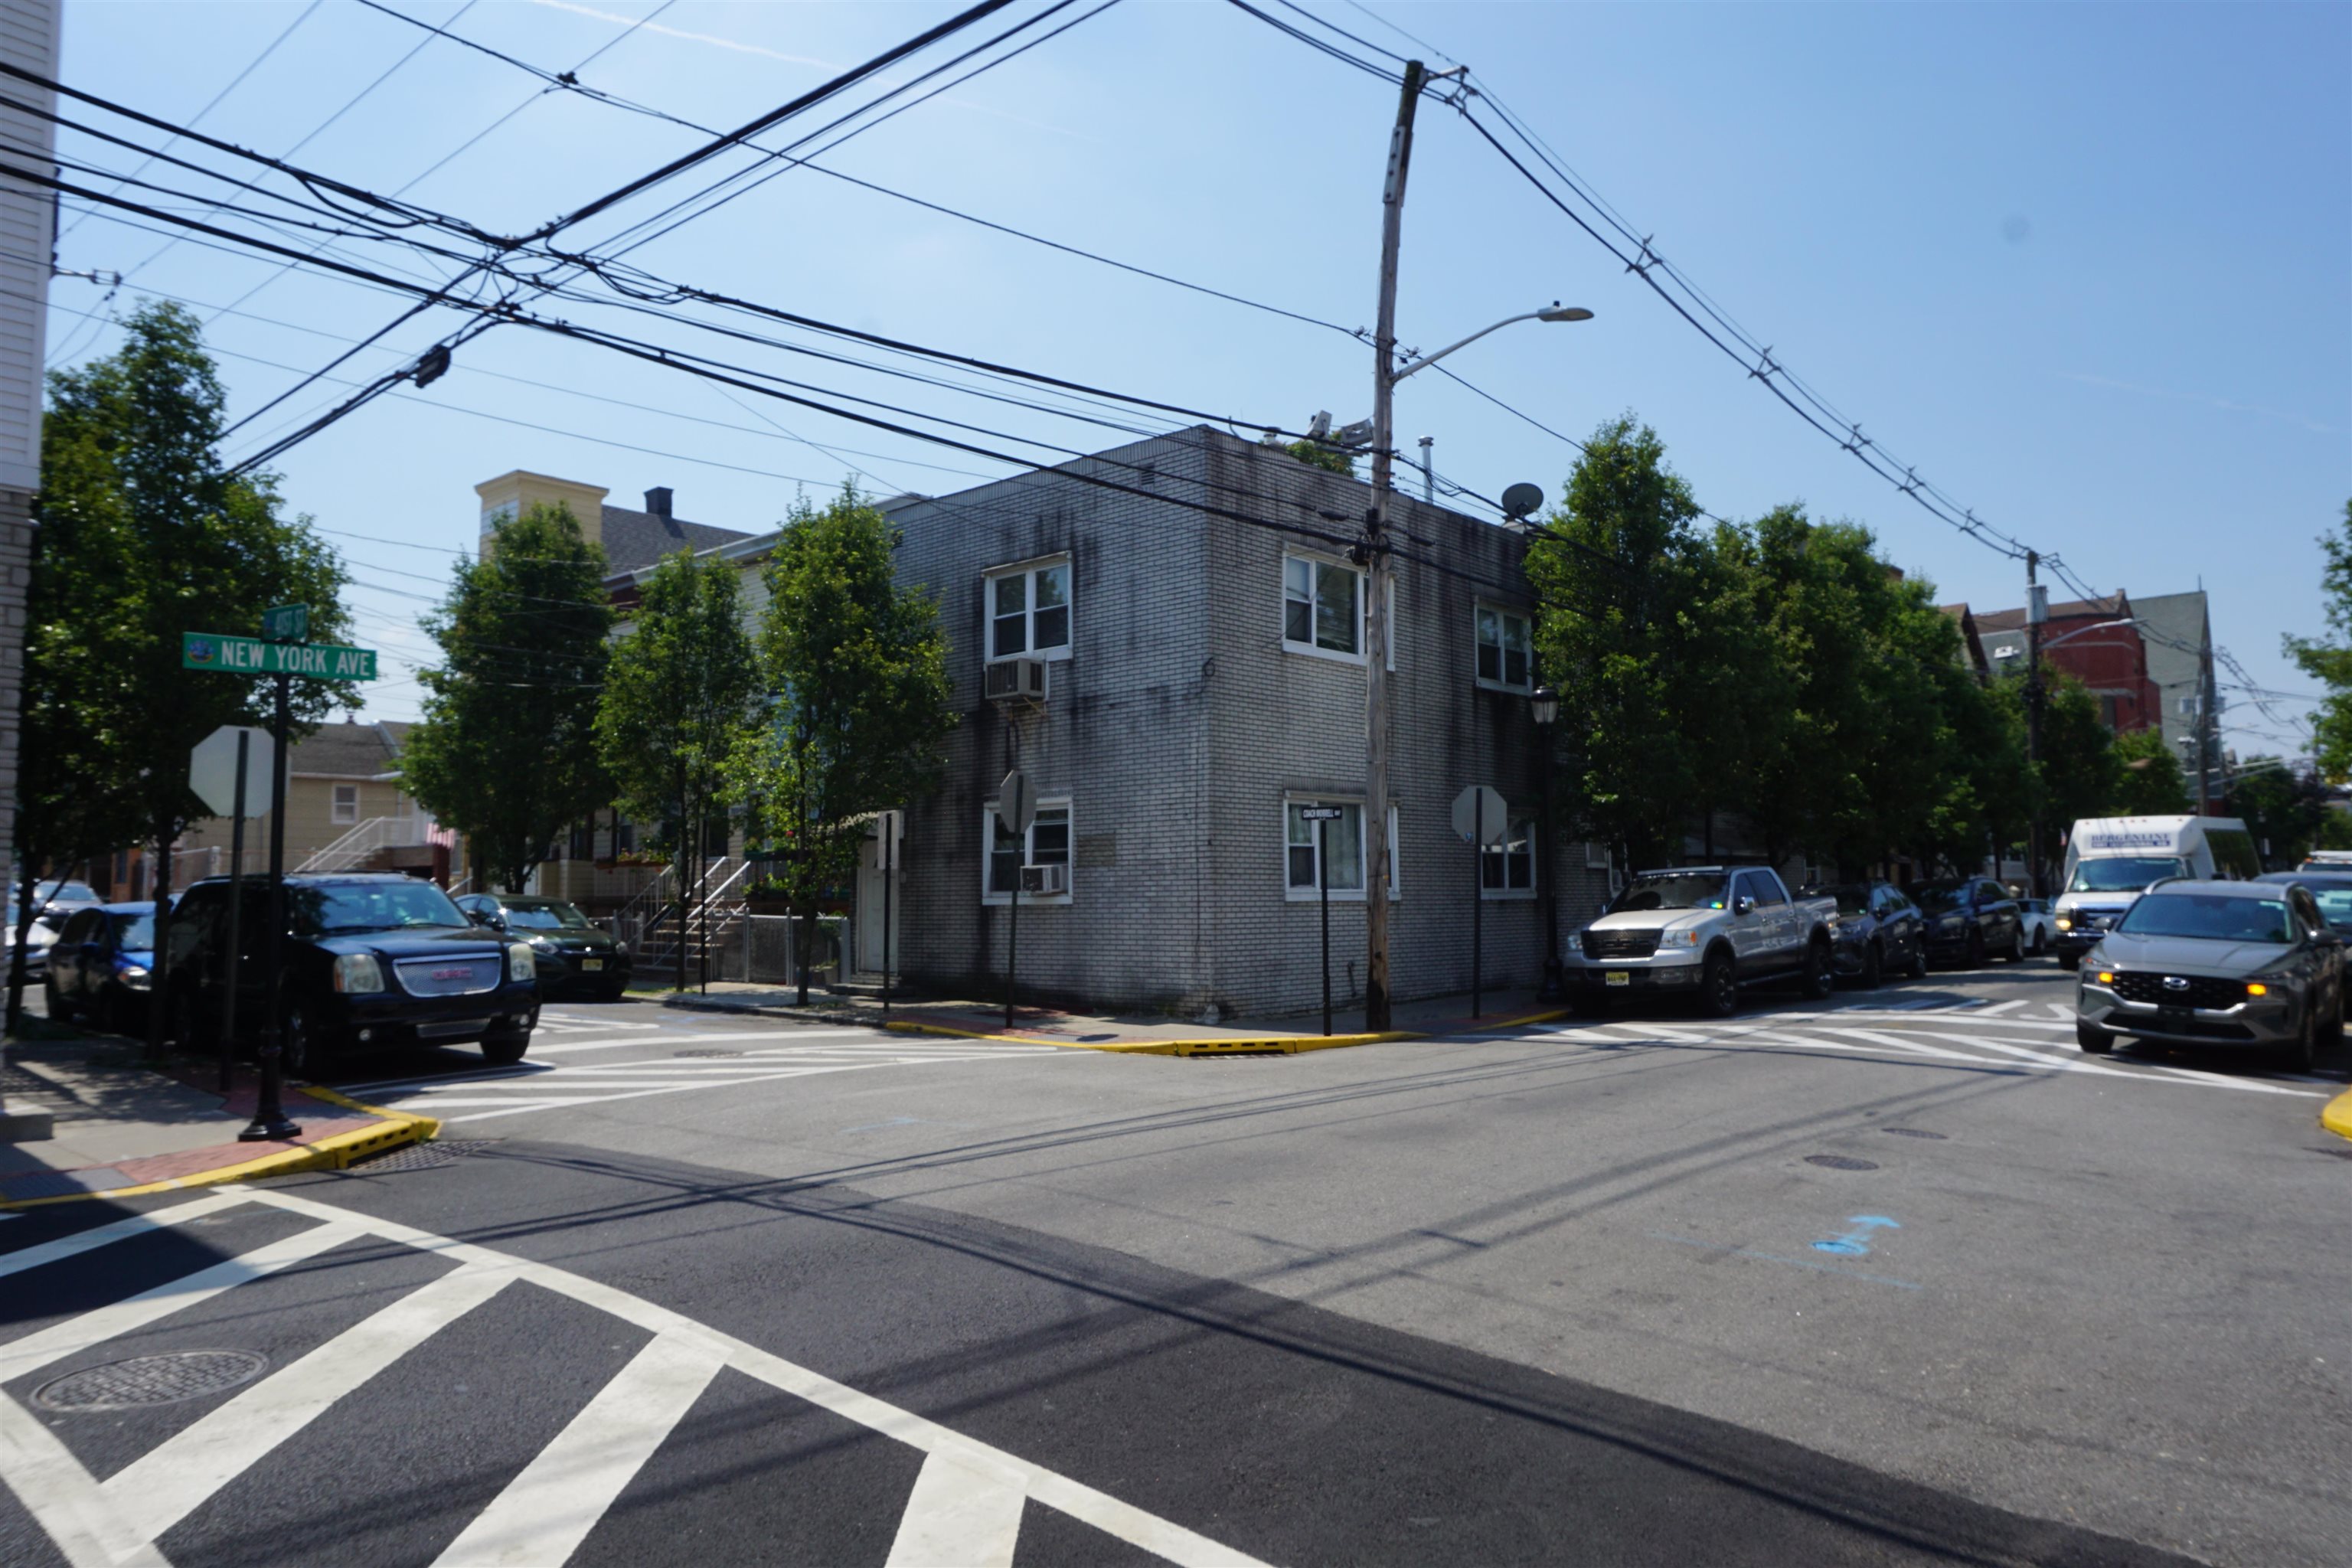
(2179, 632)
(345, 810)
(2099, 642)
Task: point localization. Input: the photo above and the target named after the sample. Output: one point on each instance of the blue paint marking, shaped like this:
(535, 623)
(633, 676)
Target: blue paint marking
(1775, 1257)
(1852, 1244)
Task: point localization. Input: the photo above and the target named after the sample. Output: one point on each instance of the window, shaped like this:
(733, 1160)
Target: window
(1507, 870)
(1322, 605)
(1502, 648)
(347, 803)
(1029, 612)
(1345, 835)
(1048, 845)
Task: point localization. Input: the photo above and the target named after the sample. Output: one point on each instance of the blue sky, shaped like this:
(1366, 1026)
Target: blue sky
(2083, 266)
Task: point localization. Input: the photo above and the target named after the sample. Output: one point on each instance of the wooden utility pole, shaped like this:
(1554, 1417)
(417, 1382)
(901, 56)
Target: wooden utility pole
(1377, 1017)
(2034, 612)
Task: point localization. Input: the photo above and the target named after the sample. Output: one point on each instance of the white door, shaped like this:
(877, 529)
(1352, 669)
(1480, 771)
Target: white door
(868, 928)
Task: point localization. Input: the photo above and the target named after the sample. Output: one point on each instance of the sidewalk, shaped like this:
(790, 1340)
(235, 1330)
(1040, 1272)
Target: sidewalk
(1132, 1034)
(115, 1127)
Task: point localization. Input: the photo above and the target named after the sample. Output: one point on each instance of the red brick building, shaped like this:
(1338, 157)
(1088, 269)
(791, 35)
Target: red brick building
(2098, 643)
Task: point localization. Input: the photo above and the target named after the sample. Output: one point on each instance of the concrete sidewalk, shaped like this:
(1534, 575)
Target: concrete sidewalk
(1134, 1034)
(81, 1115)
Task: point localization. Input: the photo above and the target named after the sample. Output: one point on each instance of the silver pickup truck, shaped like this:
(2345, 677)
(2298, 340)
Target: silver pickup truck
(1703, 931)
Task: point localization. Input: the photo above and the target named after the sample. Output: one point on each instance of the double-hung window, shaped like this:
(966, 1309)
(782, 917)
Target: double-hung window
(1322, 606)
(1306, 843)
(1029, 611)
(1507, 870)
(347, 803)
(1502, 644)
(1047, 843)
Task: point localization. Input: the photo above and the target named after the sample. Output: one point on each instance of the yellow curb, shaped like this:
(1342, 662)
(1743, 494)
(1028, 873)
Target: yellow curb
(1230, 1044)
(2336, 1115)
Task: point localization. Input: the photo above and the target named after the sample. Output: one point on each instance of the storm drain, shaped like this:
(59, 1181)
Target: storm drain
(420, 1156)
(1913, 1132)
(150, 1380)
(1841, 1162)
(706, 1053)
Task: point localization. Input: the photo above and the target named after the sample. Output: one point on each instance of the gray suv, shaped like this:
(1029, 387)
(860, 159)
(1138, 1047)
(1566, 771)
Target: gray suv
(2216, 964)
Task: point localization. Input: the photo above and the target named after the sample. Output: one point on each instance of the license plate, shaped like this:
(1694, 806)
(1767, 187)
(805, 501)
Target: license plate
(1617, 977)
(592, 964)
(2173, 1018)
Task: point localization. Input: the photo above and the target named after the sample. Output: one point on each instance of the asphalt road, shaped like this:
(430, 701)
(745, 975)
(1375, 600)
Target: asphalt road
(1902, 1280)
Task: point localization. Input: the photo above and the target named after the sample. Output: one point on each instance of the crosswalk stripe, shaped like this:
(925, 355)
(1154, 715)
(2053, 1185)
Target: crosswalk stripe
(93, 1328)
(167, 1483)
(571, 1047)
(63, 1501)
(642, 1093)
(545, 1513)
(72, 1245)
(2191, 1075)
(1915, 1048)
(962, 1514)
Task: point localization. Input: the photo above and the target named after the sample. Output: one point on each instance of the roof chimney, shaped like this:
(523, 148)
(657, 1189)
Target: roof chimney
(657, 500)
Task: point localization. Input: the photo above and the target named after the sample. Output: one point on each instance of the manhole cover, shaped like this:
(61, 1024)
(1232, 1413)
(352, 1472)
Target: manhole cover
(706, 1053)
(1841, 1162)
(419, 1156)
(1913, 1132)
(150, 1380)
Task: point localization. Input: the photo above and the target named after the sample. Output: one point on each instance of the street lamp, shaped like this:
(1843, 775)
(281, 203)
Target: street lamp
(1543, 705)
(1555, 311)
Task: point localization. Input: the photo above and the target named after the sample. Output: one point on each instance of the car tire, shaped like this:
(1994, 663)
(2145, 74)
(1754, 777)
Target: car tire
(106, 1013)
(1718, 986)
(1873, 965)
(2332, 1031)
(2041, 941)
(1977, 955)
(504, 1049)
(187, 1022)
(2092, 1038)
(53, 1003)
(1917, 968)
(1815, 981)
(2017, 945)
(2297, 1055)
(2070, 960)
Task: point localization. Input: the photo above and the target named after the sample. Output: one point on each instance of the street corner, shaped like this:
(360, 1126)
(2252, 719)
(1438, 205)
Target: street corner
(2336, 1115)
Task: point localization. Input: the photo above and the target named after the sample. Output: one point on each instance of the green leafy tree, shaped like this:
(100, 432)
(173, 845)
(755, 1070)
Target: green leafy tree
(856, 676)
(2287, 809)
(2148, 779)
(142, 509)
(506, 755)
(1323, 454)
(2330, 662)
(2078, 773)
(677, 697)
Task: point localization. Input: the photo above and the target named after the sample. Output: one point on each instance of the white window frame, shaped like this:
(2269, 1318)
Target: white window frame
(1028, 571)
(336, 806)
(1311, 894)
(1503, 646)
(1363, 612)
(1060, 803)
(1521, 829)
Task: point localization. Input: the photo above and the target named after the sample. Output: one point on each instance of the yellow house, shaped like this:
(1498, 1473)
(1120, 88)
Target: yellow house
(344, 810)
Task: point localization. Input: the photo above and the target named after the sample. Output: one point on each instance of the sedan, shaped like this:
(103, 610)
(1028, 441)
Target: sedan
(39, 936)
(575, 957)
(1969, 920)
(2249, 964)
(102, 965)
(1878, 930)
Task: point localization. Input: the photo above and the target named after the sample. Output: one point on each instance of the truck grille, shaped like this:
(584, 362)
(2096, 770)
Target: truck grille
(2200, 990)
(449, 976)
(1620, 943)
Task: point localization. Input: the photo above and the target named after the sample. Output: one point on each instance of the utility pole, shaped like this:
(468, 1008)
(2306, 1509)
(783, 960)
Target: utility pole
(2205, 717)
(2037, 610)
(1377, 1018)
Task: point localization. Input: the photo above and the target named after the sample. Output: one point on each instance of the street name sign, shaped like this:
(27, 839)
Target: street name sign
(212, 770)
(1321, 812)
(1480, 816)
(286, 622)
(251, 656)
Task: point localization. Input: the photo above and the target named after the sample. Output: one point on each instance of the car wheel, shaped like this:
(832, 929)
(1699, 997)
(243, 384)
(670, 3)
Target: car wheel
(187, 1022)
(2092, 1038)
(614, 993)
(2017, 945)
(1873, 967)
(1917, 968)
(2070, 960)
(2041, 941)
(2295, 1055)
(1978, 956)
(1718, 987)
(2332, 1031)
(107, 1013)
(506, 1049)
(1814, 982)
(55, 1003)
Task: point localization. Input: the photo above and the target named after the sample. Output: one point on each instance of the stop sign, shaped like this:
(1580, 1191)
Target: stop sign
(212, 770)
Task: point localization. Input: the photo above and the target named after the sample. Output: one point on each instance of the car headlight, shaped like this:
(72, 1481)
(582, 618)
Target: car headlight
(1950, 923)
(358, 972)
(135, 977)
(1683, 938)
(520, 965)
(2065, 923)
(620, 950)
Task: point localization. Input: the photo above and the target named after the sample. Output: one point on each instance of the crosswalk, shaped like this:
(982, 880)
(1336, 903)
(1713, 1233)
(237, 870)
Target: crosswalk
(963, 1510)
(2014, 1037)
(583, 1059)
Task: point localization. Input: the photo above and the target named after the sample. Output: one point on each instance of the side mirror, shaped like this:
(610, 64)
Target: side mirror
(495, 921)
(1743, 906)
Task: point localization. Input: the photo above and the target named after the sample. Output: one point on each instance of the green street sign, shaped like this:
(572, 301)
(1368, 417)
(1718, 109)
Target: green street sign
(286, 622)
(251, 656)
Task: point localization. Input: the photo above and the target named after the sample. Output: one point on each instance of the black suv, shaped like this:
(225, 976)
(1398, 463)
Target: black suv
(372, 959)
(1969, 920)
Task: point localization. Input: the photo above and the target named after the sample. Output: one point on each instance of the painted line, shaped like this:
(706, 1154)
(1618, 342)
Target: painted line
(1776, 1257)
(963, 1513)
(65, 1500)
(545, 1513)
(1902, 1042)
(643, 1093)
(72, 1245)
(684, 1038)
(2001, 1007)
(2190, 1075)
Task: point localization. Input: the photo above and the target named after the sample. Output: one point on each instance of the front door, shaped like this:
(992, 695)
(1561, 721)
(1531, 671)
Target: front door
(871, 859)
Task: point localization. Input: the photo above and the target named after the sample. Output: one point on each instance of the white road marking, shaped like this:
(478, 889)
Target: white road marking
(2001, 1007)
(65, 1500)
(82, 1241)
(963, 1513)
(2191, 1075)
(545, 1513)
(701, 1037)
(643, 1093)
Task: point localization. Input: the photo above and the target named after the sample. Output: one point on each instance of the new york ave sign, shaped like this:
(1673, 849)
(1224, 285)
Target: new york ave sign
(251, 656)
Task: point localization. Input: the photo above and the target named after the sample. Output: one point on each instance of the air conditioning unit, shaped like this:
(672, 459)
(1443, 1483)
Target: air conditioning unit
(1014, 681)
(1045, 881)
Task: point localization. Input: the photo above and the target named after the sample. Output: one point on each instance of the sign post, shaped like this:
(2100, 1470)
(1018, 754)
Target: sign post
(1482, 818)
(254, 751)
(1322, 816)
(1016, 808)
(892, 823)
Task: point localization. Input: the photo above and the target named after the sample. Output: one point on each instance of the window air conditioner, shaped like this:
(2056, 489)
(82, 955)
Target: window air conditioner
(1045, 881)
(1016, 681)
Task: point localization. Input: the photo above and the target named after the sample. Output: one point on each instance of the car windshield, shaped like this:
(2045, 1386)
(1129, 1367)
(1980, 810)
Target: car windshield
(1936, 896)
(2125, 873)
(330, 908)
(70, 892)
(134, 934)
(1674, 890)
(1852, 898)
(2216, 917)
(544, 917)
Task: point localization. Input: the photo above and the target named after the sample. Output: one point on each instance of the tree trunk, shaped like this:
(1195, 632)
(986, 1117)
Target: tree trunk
(24, 928)
(156, 975)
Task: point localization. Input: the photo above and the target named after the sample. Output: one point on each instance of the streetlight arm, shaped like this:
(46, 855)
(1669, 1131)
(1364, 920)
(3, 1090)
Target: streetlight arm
(1550, 312)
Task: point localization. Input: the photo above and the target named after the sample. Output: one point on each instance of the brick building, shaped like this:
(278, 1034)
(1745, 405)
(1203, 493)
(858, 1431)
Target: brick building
(2099, 642)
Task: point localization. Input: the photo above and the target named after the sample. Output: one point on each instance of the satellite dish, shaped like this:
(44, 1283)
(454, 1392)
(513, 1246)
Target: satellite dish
(1521, 500)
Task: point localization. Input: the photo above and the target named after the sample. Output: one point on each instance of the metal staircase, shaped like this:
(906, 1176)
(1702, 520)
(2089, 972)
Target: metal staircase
(672, 935)
(354, 849)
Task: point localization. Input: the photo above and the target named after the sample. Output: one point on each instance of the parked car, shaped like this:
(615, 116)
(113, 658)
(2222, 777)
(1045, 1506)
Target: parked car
(372, 959)
(61, 897)
(102, 965)
(2249, 964)
(2041, 918)
(39, 936)
(1703, 931)
(575, 957)
(1877, 930)
(2330, 889)
(1970, 919)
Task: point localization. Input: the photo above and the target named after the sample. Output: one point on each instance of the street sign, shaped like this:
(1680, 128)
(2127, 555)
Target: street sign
(212, 770)
(1016, 803)
(251, 656)
(1321, 812)
(1480, 816)
(890, 826)
(286, 622)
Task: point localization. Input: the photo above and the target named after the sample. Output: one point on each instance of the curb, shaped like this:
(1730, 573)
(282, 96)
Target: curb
(327, 1154)
(2336, 1115)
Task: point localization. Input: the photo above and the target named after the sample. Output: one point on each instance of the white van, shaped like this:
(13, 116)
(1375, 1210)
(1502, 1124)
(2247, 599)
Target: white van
(2110, 860)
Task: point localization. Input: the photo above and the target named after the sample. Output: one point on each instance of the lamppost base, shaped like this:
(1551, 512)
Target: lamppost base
(277, 1131)
(1555, 982)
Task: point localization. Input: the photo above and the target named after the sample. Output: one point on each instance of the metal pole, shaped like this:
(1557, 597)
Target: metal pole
(1547, 848)
(235, 917)
(1377, 1018)
(889, 874)
(1478, 908)
(2032, 721)
(1323, 880)
(270, 1124)
(1428, 477)
(1013, 942)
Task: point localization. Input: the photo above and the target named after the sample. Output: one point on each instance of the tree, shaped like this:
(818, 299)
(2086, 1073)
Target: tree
(2148, 779)
(856, 676)
(2285, 807)
(677, 695)
(506, 753)
(2330, 662)
(2078, 774)
(132, 484)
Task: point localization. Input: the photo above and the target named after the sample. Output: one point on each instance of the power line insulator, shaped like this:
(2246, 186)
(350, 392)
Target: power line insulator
(432, 366)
